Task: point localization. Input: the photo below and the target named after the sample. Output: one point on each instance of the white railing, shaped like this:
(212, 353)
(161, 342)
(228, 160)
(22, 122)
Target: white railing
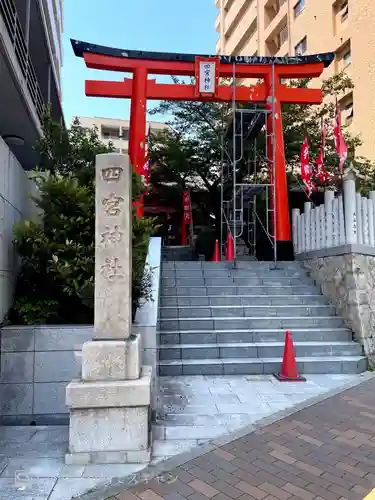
(348, 219)
(15, 205)
(9, 13)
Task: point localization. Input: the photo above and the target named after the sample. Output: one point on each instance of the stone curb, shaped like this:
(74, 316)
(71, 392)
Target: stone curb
(118, 485)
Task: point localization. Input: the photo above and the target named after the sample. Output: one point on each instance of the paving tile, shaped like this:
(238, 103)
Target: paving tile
(227, 489)
(276, 492)
(22, 487)
(150, 495)
(33, 468)
(299, 492)
(251, 490)
(113, 470)
(68, 487)
(204, 488)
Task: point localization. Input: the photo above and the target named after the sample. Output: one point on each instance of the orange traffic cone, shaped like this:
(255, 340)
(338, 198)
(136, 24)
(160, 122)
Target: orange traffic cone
(289, 371)
(230, 248)
(216, 257)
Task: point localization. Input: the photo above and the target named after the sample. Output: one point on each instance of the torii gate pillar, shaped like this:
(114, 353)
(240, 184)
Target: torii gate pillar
(137, 129)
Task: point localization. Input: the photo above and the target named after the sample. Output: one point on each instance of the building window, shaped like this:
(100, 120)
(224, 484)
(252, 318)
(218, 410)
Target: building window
(298, 8)
(347, 58)
(125, 134)
(284, 35)
(348, 113)
(301, 47)
(110, 132)
(344, 11)
(117, 150)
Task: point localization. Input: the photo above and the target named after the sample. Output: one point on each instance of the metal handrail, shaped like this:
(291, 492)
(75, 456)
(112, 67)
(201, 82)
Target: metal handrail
(15, 32)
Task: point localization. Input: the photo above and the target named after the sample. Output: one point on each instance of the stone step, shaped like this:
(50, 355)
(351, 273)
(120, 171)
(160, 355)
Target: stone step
(241, 323)
(256, 350)
(253, 335)
(232, 273)
(229, 265)
(263, 366)
(239, 290)
(234, 280)
(242, 300)
(181, 312)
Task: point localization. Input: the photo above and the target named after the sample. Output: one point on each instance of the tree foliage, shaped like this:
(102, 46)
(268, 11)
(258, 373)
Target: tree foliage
(57, 249)
(191, 152)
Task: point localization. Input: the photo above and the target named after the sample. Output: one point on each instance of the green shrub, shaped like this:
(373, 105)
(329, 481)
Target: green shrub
(57, 251)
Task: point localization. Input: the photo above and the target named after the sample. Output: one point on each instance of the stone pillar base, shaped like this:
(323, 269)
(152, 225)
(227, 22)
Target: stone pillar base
(110, 420)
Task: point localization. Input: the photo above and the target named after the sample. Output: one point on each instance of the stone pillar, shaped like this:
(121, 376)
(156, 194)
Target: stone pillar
(318, 228)
(350, 209)
(307, 212)
(342, 238)
(313, 229)
(303, 233)
(335, 223)
(295, 216)
(328, 201)
(372, 198)
(365, 221)
(322, 223)
(110, 404)
(358, 202)
(299, 233)
(371, 229)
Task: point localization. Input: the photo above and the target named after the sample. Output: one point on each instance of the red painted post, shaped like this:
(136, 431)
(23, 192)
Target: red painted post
(283, 229)
(137, 129)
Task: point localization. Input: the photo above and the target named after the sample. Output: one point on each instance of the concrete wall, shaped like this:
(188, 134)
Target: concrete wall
(346, 275)
(37, 362)
(36, 365)
(15, 205)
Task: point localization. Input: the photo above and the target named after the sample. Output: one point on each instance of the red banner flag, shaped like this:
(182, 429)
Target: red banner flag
(340, 145)
(187, 207)
(320, 169)
(146, 166)
(306, 170)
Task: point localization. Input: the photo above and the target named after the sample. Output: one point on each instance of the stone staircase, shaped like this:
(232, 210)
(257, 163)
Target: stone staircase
(216, 320)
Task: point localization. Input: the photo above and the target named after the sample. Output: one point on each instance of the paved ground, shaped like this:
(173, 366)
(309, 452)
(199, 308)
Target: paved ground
(325, 451)
(195, 410)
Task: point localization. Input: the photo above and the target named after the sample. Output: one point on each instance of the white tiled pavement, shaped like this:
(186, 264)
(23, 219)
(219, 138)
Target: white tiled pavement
(192, 410)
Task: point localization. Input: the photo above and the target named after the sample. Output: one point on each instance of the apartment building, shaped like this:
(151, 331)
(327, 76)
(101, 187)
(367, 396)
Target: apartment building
(30, 71)
(290, 27)
(115, 130)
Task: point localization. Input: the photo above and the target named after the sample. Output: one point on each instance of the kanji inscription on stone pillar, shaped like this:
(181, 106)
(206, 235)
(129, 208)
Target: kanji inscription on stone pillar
(113, 239)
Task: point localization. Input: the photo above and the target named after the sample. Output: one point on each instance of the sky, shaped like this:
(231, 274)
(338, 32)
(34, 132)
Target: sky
(157, 25)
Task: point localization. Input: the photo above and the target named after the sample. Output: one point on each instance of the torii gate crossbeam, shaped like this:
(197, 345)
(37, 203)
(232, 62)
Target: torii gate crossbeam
(271, 70)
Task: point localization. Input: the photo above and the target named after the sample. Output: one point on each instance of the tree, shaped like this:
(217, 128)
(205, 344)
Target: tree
(57, 250)
(190, 152)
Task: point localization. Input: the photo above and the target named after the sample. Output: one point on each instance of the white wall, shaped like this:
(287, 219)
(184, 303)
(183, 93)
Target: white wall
(15, 205)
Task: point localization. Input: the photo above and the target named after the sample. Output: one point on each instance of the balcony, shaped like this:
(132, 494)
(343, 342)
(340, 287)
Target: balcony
(21, 100)
(246, 29)
(274, 23)
(234, 15)
(278, 43)
(217, 24)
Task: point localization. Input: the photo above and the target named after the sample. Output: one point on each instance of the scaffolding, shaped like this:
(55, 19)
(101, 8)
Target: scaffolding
(242, 196)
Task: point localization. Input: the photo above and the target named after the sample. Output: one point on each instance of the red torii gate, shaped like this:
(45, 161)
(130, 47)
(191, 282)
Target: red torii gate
(272, 70)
